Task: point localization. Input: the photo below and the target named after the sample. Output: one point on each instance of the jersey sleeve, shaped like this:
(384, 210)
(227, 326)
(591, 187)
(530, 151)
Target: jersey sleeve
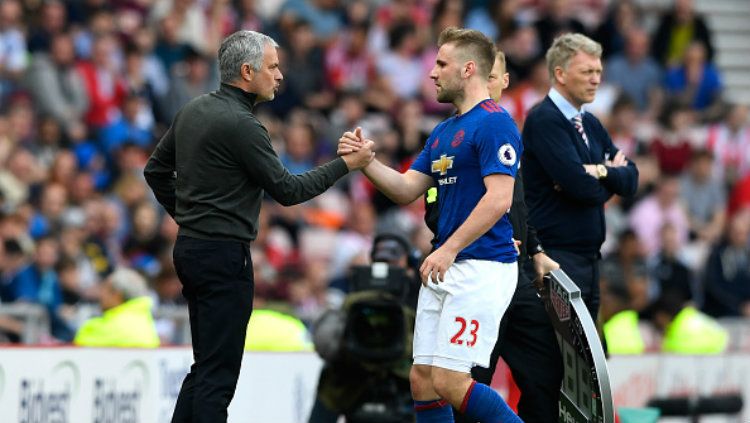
(498, 145)
(422, 162)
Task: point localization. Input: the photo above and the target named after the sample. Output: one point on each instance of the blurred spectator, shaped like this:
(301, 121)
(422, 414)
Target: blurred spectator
(696, 82)
(624, 127)
(523, 52)
(96, 245)
(668, 270)
(126, 320)
(451, 13)
(247, 16)
(52, 19)
(38, 283)
(169, 49)
(649, 215)
(704, 197)
(49, 142)
(141, 84)
(496, 19)
(304, 53)
(636, 73)
(350, 112)
(154, 73)
(128, 127)
(740, 198)
(190, 78)
(72, 298)
(19, 173)
(401, 67)
(13, 51)
(72, 250)
(14, 260)
(557, 18)
(101, 23)
(323, 15)
(620, 328)
(52, 205)
(673, 145)
(144, 244)
(308, 290)
(525, 94)
(727, 277)
(189, 22)
(299, 151)
(686, 330)
(349, 65)
(626, 260)
(354, 240)
(104, 86)
(623, 17)
(729, 141)
(677, 29)
(270, 330)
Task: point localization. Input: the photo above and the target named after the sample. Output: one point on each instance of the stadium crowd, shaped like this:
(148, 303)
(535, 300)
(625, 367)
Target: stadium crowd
(87, 87)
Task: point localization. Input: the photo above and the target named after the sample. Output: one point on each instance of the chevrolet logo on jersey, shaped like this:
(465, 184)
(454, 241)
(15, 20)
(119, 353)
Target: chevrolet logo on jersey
(442, 164)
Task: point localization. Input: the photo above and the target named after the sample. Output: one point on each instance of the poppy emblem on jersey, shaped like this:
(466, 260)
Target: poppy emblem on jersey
(507, 155)
(458, 138)
(442, 164)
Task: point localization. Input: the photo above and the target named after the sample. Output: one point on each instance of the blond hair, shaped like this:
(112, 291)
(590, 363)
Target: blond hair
(500, 57)
(471, 45)
(565, 47)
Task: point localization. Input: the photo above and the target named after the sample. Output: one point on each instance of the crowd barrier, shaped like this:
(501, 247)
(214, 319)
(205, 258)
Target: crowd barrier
(103, 385)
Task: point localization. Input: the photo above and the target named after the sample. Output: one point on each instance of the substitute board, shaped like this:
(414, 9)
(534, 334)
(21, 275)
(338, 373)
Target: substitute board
(585, 395)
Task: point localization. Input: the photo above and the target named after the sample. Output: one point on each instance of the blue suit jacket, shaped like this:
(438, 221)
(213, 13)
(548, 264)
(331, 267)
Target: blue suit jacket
(566, 205)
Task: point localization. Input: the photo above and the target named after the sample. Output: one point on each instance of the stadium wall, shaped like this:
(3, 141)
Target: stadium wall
(80, 385)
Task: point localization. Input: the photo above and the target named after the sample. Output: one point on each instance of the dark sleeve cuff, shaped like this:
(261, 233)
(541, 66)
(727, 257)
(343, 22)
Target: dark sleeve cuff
(338, 168)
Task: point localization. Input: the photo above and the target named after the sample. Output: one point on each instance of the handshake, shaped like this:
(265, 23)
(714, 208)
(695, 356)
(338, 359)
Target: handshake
(355, 149)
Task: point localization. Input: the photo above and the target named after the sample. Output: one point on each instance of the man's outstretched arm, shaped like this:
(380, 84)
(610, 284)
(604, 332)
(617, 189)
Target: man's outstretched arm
(401, 188)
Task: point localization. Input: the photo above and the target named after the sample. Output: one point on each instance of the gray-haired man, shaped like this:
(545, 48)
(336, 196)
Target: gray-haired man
(210, 171)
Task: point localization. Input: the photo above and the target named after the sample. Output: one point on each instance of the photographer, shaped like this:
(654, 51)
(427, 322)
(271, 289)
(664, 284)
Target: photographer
(367, 343)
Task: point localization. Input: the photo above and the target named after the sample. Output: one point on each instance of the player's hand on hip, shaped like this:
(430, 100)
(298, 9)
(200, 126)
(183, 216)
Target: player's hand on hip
(436, 265)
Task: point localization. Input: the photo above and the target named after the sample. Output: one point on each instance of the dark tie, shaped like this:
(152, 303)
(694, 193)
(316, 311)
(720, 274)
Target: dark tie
(578, 123)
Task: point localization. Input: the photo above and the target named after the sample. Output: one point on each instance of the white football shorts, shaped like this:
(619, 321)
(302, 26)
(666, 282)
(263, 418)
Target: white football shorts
(458, 319)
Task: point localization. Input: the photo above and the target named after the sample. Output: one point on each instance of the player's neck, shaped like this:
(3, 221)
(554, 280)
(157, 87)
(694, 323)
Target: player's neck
(473, 95)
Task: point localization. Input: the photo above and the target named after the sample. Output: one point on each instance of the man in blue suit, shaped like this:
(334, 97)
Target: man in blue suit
(571, 167)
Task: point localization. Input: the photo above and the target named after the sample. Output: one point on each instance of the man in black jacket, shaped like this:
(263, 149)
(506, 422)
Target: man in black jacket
(571, 167)
(210, 171)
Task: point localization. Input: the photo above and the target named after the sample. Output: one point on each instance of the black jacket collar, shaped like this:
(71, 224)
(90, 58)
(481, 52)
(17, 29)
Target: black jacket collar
(236, 92)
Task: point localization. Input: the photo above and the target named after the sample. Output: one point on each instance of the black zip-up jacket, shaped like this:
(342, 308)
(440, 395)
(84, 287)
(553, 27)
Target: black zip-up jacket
(210, 169)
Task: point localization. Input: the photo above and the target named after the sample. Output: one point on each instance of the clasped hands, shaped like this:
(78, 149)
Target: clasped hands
(355, 149)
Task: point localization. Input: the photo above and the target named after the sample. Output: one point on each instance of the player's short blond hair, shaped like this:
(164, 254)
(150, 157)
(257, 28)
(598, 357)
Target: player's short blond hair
(471, 45)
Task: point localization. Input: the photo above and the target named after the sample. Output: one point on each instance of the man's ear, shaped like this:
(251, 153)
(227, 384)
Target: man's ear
(506, 80)
(470, 68)
(560, 75)
(247, 72)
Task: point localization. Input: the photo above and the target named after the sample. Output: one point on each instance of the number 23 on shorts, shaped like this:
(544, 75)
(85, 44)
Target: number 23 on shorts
(458, 337)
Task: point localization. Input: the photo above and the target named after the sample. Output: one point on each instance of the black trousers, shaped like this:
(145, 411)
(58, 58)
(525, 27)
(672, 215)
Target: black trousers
(584, 271)
(528, 344)
(217, 281)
